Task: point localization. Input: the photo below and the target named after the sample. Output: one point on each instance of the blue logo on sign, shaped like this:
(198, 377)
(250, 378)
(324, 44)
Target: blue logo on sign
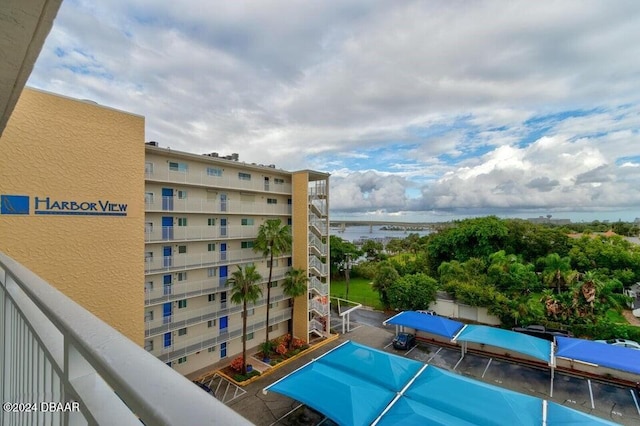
(14, 204)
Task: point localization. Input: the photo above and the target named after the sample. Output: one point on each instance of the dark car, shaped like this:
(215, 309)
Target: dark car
(543, 332)
(203, 386)
(404, 341)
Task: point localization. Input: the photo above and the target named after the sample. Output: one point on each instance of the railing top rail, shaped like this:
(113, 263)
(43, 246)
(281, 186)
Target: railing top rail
(156, 393)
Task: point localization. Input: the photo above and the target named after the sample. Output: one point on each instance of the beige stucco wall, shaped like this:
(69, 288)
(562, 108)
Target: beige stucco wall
(300, 248)
(70, 150)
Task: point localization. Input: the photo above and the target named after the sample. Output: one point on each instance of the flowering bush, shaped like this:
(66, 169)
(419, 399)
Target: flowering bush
(297, 343)
(237, 363)
(281, 349)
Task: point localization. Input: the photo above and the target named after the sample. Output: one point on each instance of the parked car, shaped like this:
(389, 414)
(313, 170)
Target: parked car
(427, 312)
(543, 332)
(624, 343)
(203, 386)
(404, 341)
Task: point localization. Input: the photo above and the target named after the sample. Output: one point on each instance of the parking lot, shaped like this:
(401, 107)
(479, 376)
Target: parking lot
(607, 401)
(611, 402)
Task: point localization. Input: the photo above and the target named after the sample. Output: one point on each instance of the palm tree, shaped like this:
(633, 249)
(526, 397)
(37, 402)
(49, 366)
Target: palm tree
(243, 290)
(274, 239)
(295, 284)
(557, 271)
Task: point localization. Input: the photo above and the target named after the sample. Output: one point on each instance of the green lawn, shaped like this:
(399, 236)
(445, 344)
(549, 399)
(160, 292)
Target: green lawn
(616, 317)
(360, 291)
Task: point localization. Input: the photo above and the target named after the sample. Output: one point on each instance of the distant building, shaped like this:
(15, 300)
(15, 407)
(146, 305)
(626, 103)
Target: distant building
(546, 219)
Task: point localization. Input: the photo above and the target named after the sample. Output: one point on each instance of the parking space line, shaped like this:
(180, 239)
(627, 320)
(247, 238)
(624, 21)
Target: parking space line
(635, 400)
(409, 351)
(434, 355)
(457, 363)
(487, 367)
(591, 394)
(388, 345)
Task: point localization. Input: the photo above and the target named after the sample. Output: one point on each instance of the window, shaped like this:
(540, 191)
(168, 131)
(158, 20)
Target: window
(244, 176)
(273, 305)
(182, 304)
(182, 249)
(211, 323)
(250, 312)
(212, 297)
(148, 316)
(275, 263)
(182, 221)
(250, 336)
(223, 350)
(182, 276)
(148, 168)
(148, 197)
(178, 167)
(182, 331)
(211, 349)
(246, 244)
(211, 247)
(278, 181)
(224, 323)
(182, 194)
(274, 284)
(182, 360)
(223, 297)
(289, 222)
(211, 272)
(214, 171)
(211, 221)
(273, 327)
(272, 201)
(248, 221)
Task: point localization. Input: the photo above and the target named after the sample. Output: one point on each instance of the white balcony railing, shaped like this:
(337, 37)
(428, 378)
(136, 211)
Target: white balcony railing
(315, 263)
(317, 285)
(231, 181)
(53, 350)
(320, 306)
(188, 346)
(318, 225)
(198, 233)
(198, 205)
(185, 261)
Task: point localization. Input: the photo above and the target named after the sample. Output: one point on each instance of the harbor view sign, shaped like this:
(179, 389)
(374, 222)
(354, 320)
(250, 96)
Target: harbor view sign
(23, 205)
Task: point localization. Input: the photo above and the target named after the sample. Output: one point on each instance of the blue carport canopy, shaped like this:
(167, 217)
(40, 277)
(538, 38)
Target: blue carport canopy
(432, 324)
(511, 340)
(618, 358)
(358, 385)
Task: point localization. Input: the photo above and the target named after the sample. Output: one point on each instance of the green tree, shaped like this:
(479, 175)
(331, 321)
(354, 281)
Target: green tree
(412, 292)
(338, 251)
(295, 285)
(372, 249)
(557, 271)
(245, 290)
(385, 277)
(273, 240)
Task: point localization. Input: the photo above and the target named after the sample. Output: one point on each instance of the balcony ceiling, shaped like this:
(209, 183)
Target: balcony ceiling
(24, 26)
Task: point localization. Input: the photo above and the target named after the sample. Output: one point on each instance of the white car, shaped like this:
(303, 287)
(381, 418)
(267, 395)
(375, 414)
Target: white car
(624, 343)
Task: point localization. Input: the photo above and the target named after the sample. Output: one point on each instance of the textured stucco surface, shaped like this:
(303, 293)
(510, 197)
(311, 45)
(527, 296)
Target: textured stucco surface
(300, 247)
(68, 149)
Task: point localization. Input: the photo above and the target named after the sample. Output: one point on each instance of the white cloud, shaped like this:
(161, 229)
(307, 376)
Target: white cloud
(492, 105)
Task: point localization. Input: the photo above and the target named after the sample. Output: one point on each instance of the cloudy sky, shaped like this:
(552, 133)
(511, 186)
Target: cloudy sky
(421, 110)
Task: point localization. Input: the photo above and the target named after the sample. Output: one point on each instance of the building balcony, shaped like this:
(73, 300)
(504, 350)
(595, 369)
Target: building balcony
(318, 286)
(187, 317)
(316, 244)
(154, 265)
(199, 205)
(204, 179)
(198, 233)
(189, 346)
(318, 226)
(320, 305)
(184, 290)
(317, 267)
(52, 349)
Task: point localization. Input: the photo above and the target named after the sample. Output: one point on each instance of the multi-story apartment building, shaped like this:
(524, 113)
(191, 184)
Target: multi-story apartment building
(202, 215)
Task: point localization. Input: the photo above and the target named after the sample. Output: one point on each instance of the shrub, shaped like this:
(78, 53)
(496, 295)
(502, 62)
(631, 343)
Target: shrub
(237, 363)
(281, 349)
(297, 343)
